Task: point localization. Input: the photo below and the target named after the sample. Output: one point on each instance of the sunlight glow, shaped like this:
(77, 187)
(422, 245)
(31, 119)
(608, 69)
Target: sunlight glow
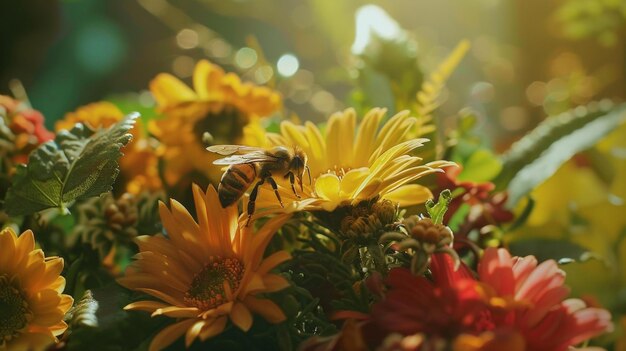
(373, 19)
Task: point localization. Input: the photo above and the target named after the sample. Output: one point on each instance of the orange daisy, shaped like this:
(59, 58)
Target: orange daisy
(206, 273)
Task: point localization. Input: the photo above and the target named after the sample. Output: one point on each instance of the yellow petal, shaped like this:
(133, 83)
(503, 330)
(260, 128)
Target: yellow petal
(169, 90)
(327, 187)
(364, 145)
(408, 195)
(352, 181)
(206, 80)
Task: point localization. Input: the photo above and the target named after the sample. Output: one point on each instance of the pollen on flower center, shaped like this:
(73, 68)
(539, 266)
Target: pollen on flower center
(339, 171)
(223, 126)
(14, 311)
(207, 288)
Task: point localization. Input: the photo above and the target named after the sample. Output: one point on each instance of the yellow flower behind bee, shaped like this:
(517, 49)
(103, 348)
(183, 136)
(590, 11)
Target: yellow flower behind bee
(140, 163)
(32, 307)
(219, 103)
(351, 163)
(207, 272)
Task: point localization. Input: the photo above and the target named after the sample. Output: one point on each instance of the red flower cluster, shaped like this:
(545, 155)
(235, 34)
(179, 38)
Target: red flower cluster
(514, 304)
(26, 125)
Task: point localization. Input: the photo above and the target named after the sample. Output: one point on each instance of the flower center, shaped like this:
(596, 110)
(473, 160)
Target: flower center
(225, 126)
(14, 312)
(207, 289)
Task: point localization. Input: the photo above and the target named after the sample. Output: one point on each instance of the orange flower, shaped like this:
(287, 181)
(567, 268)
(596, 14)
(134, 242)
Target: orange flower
(31, 304)
(207, 272)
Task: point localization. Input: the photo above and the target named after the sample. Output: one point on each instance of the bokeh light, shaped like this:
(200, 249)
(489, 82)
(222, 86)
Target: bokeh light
(246, 57)
(287, 65)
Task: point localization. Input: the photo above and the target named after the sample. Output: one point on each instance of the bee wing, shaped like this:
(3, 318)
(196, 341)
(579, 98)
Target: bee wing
(227, 150)
(252, 157)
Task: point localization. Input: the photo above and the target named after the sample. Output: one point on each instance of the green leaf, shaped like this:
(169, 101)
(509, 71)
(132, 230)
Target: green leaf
(545, 249)
(538, 155)
(438, 210)
(78, 164)
(482, 166)
(535, 143)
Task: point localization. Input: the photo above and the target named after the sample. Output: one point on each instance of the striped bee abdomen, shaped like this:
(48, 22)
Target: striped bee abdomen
(235, 181)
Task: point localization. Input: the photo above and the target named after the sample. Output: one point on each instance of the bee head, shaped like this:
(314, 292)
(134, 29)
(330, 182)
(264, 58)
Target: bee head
(299, 165)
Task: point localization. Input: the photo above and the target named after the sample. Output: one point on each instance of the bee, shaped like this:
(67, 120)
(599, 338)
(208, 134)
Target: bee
(247, 164)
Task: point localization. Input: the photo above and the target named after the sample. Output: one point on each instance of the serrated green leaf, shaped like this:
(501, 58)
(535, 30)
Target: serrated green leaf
(78, 164)
(544, 166)
(535, 143)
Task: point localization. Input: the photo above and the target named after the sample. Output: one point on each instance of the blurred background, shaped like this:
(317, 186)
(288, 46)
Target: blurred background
(528, 59)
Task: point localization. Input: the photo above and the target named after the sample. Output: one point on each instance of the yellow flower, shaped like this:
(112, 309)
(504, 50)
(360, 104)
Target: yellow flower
(219, 104)
(31, 304)
(349, 164)
(206, 273)
(140, 163)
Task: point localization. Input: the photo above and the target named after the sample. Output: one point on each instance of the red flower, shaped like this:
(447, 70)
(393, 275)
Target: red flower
(452, 303)
(27, 126)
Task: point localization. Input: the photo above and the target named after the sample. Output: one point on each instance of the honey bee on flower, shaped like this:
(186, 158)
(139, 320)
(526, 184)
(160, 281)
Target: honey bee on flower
(252, 163)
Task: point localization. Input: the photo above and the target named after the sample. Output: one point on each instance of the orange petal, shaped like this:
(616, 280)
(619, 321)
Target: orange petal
(168, 335)
(266, 308)
(241, 316)
(214, 328)
(148, 306)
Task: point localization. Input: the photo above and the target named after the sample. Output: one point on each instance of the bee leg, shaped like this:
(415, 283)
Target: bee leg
(275, 187)
(251, 202)
(292, 181)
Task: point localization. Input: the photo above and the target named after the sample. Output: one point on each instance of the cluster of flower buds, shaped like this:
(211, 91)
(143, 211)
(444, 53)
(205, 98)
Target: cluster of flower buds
(421, 238)
(366, 223)
(105, 222)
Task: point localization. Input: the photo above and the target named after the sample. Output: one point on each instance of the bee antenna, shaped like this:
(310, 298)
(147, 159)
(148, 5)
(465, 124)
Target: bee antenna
(308, 170)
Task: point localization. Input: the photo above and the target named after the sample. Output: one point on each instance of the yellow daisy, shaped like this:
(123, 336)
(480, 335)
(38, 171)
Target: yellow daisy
(207, 272)
(31, 304)
(140, 163)
(351, 163)
(219, 104)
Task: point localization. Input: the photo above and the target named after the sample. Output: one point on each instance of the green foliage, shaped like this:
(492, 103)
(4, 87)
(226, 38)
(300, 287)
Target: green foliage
(538, 155)
(117, 329)
(438, 210)
(78, 164)
(561, 250)
(601, 19)
(482, 166)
